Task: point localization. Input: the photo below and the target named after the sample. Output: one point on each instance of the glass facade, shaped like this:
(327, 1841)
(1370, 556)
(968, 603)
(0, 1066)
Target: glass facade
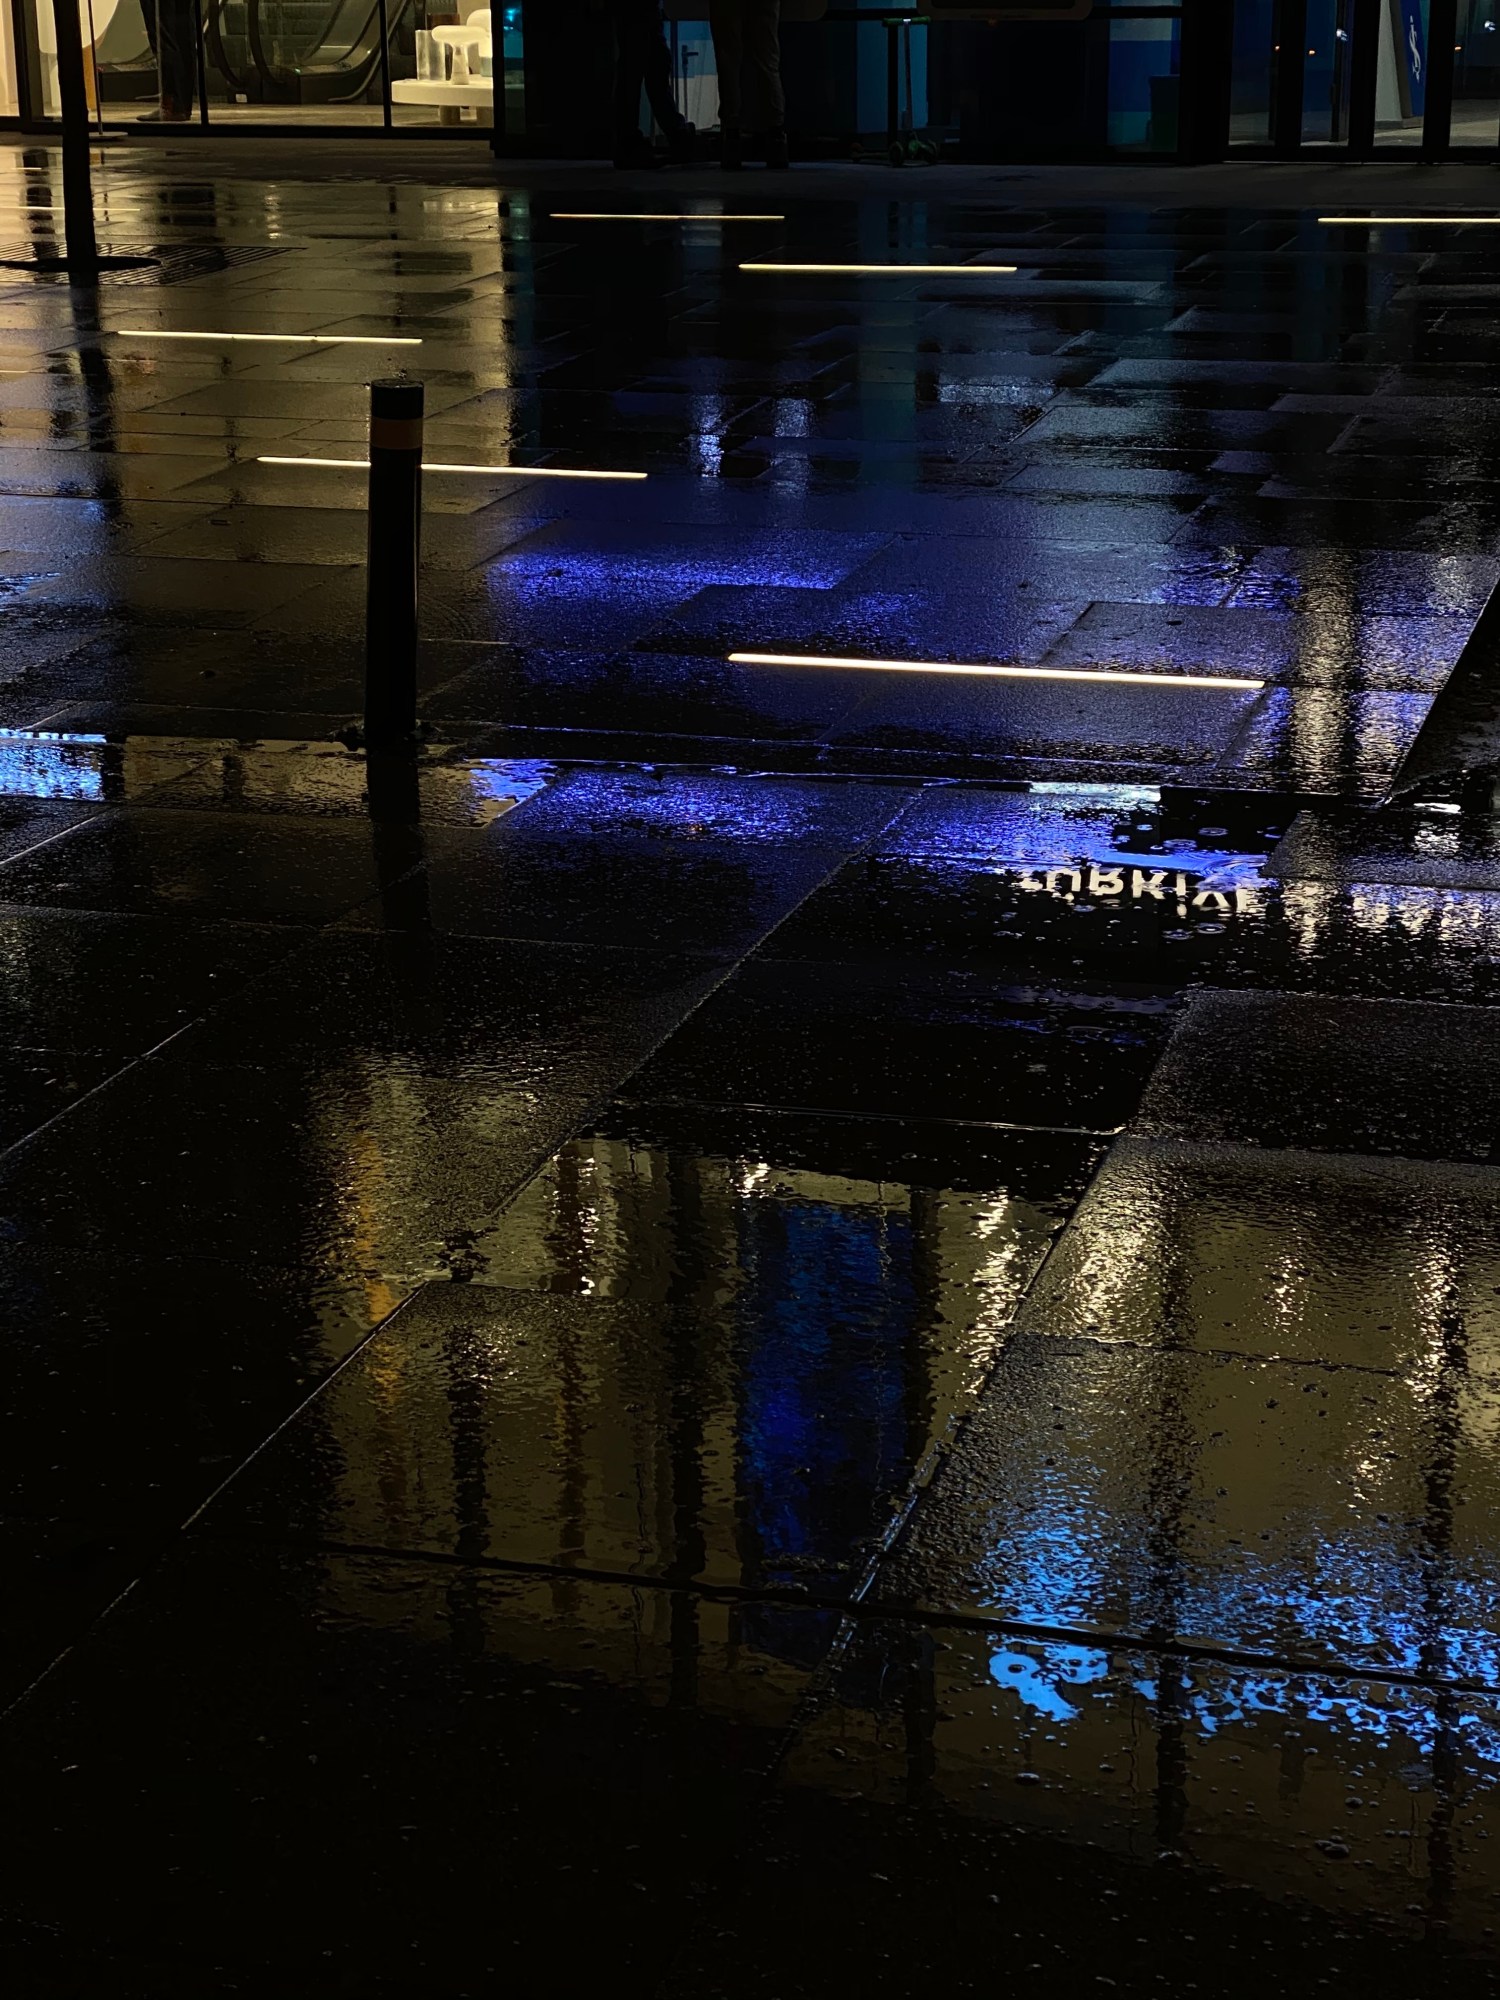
(330, 64)
(992, 79)
(1476, 81)
(1367, 74)
(1144, 81)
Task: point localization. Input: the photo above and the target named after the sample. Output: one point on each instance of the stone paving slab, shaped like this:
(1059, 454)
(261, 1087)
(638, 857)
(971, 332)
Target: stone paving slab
(1330, 1075)
(432, 1696)
(1278, 1510)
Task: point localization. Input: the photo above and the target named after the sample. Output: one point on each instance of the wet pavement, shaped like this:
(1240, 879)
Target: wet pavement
(750, 1328)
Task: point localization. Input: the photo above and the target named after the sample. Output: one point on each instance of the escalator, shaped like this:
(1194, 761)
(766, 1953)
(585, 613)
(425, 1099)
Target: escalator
(226, 45)
(317, 51)
(305, 52)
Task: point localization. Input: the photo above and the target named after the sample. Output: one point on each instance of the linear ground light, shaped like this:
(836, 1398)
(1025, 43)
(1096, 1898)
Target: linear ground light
(997, 673)
(891, 270)
(1377, 221)
(489, 471)
(673, 215)
(285, 339)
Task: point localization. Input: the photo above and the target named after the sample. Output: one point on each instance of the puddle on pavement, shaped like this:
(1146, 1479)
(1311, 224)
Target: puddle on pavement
(716, 1350)
(262, 775)
(1357, 1798)
(1384, 1264)
(1329, 1516)
(902, 1237)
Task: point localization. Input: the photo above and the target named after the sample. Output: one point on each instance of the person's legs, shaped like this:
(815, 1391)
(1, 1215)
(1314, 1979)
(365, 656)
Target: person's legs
(176, 56)
(763, 48)
(631, 21)
(657, 61)
(643, 61)
(727, 20)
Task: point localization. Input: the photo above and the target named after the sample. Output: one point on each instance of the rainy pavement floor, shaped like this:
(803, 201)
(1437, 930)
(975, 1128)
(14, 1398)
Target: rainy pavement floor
(750, 1331)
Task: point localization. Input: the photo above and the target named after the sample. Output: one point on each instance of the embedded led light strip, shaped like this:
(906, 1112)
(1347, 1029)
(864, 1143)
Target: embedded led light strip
(673, 215)
(285, 339)
(894, 270)
(998, 673)
(1377, 221)
(488, 471)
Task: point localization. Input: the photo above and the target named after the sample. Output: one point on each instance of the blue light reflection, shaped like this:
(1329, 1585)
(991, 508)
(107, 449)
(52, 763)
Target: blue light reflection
(1058, 1683)
(36, 765)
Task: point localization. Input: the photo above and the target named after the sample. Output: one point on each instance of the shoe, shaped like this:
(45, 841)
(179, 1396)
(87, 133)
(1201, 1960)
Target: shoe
(682, 144)
(164, 115)
(636, 152)
(776, 152)
(731, 151)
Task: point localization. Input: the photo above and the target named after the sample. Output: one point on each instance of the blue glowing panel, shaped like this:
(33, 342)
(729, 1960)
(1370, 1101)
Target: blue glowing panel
(37, 766)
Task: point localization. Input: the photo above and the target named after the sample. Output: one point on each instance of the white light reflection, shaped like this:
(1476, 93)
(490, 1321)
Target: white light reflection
(1126, 797)
(1404, 221)
(1307, 910)
(991, 672)
(651, 215)
(496, 471)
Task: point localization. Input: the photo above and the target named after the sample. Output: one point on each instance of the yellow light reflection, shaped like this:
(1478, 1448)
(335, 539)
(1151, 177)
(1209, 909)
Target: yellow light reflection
(894, 270)
(282, 339)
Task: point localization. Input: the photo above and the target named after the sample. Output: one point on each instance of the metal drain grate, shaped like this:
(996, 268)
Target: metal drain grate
(177, 262)
(170, 264)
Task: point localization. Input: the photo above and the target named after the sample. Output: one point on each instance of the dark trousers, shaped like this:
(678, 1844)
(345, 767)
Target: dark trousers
(172, 30)
(747, 47)
(642, 60)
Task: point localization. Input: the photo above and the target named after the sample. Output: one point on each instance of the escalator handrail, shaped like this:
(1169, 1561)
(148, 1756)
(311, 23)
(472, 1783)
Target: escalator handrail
(367, 40)
(213, 35)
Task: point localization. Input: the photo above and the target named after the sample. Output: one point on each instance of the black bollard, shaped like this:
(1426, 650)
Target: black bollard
(78, 188)
(395, 543)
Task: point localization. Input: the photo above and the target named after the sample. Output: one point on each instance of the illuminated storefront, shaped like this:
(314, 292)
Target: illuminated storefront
(990, 79)
(324, 65)
(1086, 76)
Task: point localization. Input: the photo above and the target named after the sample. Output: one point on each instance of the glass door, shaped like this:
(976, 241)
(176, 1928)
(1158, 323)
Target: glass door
(1325, 74)
(1253, 75)
(1401, 74)
(1476, 76)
